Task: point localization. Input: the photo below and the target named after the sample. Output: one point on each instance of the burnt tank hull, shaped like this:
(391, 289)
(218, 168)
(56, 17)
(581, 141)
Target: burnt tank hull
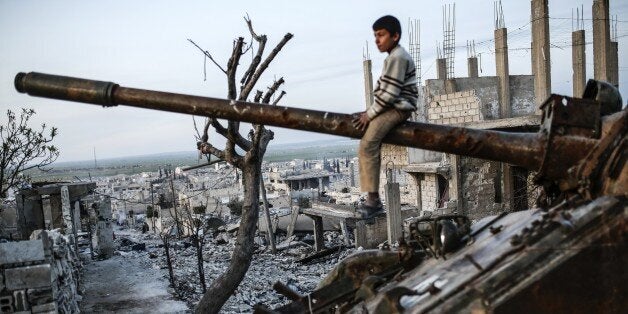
(538, 262)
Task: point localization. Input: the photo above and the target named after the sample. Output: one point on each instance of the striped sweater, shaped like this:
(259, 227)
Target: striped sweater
(397, 86)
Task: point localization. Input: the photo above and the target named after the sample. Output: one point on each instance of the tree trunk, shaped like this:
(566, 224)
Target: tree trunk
(199, 261)
(166, 242)
(222, 288)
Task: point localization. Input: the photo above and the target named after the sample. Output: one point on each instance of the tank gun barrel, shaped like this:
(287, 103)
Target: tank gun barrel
(523, 149)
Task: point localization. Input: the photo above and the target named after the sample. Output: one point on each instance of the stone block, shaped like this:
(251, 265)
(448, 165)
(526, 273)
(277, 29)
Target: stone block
(21, 303)
(40, 296)
(475, 105)
(37, 276)
(6, 304)
(21, 252)
(458, 107)
(45, 308)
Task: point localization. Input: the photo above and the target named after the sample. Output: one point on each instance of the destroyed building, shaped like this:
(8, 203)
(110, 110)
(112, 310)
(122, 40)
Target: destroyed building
(55, 222)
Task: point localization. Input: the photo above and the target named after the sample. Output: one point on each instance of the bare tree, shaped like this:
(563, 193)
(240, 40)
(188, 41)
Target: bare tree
(254, 146)
(23, 148)
(195, 222)
(164, 235)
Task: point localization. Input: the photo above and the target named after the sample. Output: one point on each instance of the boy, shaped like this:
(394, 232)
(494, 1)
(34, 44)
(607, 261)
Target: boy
(395, 98)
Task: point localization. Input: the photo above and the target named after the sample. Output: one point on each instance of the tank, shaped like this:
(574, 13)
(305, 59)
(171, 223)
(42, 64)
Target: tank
(566, 255)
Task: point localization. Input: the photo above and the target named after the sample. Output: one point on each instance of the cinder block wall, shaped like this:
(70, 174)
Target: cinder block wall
(429, 192)
(398, 155)
(459, 107)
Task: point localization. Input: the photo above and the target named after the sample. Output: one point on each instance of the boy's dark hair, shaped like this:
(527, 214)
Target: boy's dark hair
(389, 23)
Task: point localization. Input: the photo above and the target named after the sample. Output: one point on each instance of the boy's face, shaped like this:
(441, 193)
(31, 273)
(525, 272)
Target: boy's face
(384, 41)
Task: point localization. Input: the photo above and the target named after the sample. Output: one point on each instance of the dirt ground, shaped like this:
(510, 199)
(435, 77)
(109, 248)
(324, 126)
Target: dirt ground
(123, 284)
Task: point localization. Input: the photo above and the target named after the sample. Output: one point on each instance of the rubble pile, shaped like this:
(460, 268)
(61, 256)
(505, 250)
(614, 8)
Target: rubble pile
(265, 269)
(39, 275)
(65, 266)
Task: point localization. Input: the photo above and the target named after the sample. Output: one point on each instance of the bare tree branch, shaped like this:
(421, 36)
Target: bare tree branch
(233, 126)
(244, 94)
(261, 39)
(271, 90)
(258, 96)
(207, 148)
(198, 134)
(279, 98)
(208, 55)
(242, 142)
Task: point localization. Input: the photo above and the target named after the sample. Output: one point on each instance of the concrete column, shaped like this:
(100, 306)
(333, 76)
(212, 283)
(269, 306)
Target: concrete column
(104, 231)
(419, 199)
(55, 211)
(441, 69)
(66, 210)
(541, 51)
(368, 83)
(455, 183)
(472, 66)
(345, 232)
(578, 62)
(77, 216)
(601, 40)
(319, 244)
(508, 190)
(393, 215)
(359, 234)
(294, 215)
(503, 73)
(352, 174)
(613, 64)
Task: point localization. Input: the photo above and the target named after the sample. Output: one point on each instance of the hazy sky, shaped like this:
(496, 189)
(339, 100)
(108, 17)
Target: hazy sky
(143, 44)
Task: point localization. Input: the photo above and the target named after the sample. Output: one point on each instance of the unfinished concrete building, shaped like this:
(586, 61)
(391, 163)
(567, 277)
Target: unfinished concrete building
(502, 102)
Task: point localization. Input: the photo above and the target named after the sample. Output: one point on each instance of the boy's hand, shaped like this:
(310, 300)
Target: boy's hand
(361, 121)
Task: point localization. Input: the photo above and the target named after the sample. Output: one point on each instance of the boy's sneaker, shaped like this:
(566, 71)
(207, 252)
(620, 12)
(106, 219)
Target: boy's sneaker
(370, 211)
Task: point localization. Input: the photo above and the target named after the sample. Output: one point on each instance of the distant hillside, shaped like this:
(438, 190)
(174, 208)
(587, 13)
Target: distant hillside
(69, 170)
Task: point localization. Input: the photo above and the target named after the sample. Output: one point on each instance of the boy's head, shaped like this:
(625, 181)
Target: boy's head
(387, 31)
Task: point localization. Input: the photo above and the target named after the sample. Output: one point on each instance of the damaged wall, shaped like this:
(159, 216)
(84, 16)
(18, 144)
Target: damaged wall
(522, 95)
(486, 90)
(397, 156)
(481, 187)
(39, 275)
